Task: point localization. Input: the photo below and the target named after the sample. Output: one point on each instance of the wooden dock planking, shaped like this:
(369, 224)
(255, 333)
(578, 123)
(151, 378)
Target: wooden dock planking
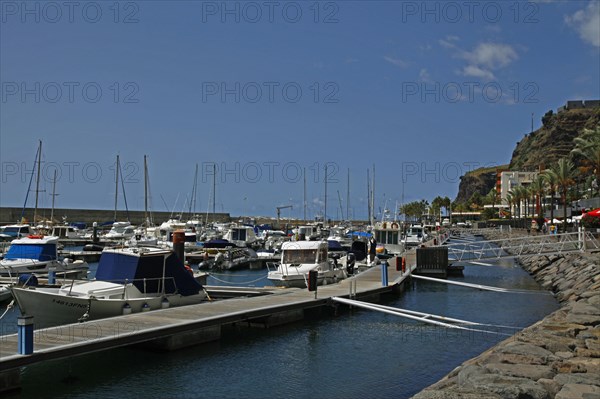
(95, 335)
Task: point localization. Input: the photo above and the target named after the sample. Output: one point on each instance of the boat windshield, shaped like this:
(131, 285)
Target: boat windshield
(304, 255)
(238, 234)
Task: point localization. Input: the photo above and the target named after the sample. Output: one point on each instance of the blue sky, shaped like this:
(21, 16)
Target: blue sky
(269, 91)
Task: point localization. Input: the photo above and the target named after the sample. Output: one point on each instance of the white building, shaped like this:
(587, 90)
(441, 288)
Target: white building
(511, 179)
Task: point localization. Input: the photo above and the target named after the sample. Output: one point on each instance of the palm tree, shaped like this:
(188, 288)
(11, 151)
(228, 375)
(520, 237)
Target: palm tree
(510, 201)
(538, 188)
(564, 171)
(550, 179)
(587, 145)
(491, 198)
(525, 193)
(516, 195)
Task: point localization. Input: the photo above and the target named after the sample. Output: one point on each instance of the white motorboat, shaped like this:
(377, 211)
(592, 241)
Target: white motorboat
(12, 231)
(241, 236)
(128, 280)
(36, 253)
(300, 257)
(415, 235)
(387, 234)
(120, 231)
(69, 232)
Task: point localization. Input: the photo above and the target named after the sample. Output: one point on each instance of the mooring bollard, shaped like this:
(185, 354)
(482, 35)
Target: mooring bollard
(384, 273)
(25, 335)
(52, 276)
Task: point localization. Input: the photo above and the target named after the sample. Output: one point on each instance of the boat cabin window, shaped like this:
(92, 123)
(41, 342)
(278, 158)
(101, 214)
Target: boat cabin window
(386, 237)
(305, 230)
(16, 230)
(238, 234)
(190, 238)
(304, 255)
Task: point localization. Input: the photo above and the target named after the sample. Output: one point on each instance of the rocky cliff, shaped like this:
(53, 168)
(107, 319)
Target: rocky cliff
(540, 149)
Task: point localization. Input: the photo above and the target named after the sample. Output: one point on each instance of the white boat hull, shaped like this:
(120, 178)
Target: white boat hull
(49, 308)
(299, 280)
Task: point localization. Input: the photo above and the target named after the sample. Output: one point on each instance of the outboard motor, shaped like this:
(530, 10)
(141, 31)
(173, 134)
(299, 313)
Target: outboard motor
(29, 280)
(350, 260)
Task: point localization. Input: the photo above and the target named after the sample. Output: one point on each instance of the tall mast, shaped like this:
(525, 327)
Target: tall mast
(195, 190)
(368, 195)
(214, 189)
(53, 196)
(373, 195)
(145, 190)
(304, 173)
(348, 197)
(116, 187)
(37, 183)
(341, 209)
(325, 210)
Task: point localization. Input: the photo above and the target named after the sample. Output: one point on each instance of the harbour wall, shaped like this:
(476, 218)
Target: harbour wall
(557, 357)
(10, 215)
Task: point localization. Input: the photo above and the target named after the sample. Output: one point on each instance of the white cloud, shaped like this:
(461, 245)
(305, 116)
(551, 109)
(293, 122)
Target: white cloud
(475, 71)
(587, 23)
(396, 61)
(491, 55)
(424, 76)
(449, 41)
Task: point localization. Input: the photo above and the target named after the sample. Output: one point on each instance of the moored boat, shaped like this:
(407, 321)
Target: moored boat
(298, 258)
(36, 253)
(128, 280)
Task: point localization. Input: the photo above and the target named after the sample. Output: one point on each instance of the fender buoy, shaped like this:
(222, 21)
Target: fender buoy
(403, 264)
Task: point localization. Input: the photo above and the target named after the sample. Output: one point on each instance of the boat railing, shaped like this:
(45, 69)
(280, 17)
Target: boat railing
(160, 287)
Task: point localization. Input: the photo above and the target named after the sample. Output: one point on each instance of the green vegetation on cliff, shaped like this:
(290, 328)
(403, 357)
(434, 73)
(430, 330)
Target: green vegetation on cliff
(538, 150)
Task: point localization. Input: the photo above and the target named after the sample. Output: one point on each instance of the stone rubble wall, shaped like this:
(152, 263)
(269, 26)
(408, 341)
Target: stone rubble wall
(557, 357)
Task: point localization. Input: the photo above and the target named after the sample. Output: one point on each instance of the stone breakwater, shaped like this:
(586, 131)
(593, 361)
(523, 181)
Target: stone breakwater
(557, 357)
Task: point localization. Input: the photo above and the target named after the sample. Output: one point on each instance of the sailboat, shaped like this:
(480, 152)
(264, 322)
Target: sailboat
(121, 230)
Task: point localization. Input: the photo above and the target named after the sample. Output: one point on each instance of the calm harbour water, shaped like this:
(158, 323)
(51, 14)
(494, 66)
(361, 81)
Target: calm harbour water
(357, 354)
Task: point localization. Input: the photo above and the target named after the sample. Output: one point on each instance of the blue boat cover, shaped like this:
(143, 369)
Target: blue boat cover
(361, 234)
(218, 243)
(122, 267)
(41, 252)
(333, 245)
